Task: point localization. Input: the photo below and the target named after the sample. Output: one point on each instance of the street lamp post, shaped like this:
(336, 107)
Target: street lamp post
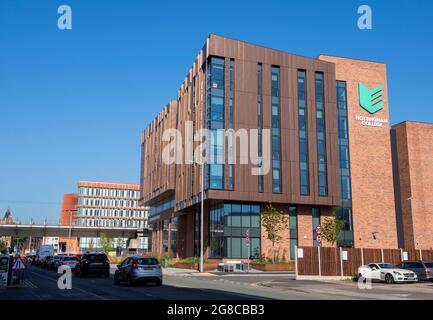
(411, 199)
(70, 231)
(201, 216)
(202, 164)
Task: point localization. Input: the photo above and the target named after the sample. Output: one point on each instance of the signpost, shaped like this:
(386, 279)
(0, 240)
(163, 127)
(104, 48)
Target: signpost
(247, 242)
(319, 234)
(18, 267)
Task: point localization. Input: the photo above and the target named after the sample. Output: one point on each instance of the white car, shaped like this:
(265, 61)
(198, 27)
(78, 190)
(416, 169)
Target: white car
(386, 272)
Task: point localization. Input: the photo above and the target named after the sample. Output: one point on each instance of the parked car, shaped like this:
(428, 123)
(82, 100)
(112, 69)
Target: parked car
(423, 269)
(386, 272)
(70, 261)
(54, 263)
(138, 269)
(93, 263)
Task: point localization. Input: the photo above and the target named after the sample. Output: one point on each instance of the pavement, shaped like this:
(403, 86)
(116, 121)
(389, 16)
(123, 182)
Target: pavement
(185, 284)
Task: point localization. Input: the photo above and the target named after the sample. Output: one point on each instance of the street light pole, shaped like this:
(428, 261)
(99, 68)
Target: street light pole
(413, 221)
(201, 215)
(70, 230)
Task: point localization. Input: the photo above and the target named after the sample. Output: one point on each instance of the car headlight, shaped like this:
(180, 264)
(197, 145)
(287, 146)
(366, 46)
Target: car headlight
(397, 273)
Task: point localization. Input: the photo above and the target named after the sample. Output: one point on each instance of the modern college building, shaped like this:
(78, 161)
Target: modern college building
(330, 151)
(104, 204)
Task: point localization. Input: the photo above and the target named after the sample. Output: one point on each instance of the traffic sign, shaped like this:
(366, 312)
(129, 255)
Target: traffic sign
(18, 264)
(319, 234)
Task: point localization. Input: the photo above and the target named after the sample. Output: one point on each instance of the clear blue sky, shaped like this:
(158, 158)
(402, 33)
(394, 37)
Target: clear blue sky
(73, 103)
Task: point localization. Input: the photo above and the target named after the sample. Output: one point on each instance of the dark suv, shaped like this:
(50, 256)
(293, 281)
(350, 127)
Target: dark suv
(93, 263)
(423, 269)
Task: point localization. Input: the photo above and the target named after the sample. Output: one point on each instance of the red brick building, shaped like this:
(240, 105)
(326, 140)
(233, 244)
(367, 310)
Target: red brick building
(412, 146)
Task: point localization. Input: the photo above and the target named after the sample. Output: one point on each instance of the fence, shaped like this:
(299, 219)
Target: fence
(323, 262)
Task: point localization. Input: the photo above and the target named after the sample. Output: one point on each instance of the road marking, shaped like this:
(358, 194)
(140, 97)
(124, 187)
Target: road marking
(74, 288)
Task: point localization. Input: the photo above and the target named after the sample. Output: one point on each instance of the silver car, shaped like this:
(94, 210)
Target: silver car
(137, 269)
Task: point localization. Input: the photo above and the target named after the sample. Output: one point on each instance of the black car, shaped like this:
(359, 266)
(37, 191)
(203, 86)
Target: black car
(46, 262)
(93, 264)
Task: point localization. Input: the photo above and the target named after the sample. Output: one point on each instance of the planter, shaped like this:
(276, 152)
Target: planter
(208, 266)
(274, 267)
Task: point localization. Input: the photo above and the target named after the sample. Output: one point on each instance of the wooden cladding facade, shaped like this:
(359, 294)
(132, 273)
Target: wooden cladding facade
(190, 105)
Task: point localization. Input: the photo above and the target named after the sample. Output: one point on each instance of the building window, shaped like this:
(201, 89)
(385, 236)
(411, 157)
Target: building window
(316, 222)
(293, 224)
(321, 140)
(303, 136)
(215, 122)
(259, 125)
(232, 72)
(276, 145)
(228, 227)
(345, 210)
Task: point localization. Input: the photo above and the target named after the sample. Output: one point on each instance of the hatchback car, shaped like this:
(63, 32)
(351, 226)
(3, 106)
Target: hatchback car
(93, 264)
(70, 261)
(54, 263)
(423, 269)
(138, 269)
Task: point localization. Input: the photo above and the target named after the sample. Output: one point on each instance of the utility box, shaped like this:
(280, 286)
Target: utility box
(4, 270)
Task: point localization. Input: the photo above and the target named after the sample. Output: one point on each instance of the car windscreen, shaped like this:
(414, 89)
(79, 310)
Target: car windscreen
(97, 257)
(70, 259)
(386, 266)
(147, 261)
(428, 264)
(415, 265)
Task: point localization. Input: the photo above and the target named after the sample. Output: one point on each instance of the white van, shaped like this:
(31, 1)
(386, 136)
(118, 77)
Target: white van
(43, 252)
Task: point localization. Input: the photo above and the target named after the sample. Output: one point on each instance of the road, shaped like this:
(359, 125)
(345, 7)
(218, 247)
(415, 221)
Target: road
(41, 284)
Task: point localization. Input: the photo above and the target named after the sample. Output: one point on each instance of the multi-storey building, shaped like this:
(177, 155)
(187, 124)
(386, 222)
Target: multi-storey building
(104, 204)
(313, 119)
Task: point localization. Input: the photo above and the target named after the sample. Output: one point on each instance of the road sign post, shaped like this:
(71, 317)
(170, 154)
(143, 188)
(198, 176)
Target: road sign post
(319, 234)
(18, 267)
(247, 242)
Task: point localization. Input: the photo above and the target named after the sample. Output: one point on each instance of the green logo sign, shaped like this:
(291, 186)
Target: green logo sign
(370, 100)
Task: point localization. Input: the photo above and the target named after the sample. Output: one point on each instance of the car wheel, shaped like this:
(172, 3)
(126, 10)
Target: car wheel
(159, 283)
(389, 279)
(116, 280)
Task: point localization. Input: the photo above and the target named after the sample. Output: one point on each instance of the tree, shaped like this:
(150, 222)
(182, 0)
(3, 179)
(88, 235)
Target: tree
(3, 247)
(274, 221)
(332, 227)
(106, 243)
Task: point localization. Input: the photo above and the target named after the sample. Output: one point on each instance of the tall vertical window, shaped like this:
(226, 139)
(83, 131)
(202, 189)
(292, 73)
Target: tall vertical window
(232, 72)
(293, 224)
(215, 122)
(316, 222)
(321, 141)
(276, 145)
(345, 210)
(259, 123)
(303, 138)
